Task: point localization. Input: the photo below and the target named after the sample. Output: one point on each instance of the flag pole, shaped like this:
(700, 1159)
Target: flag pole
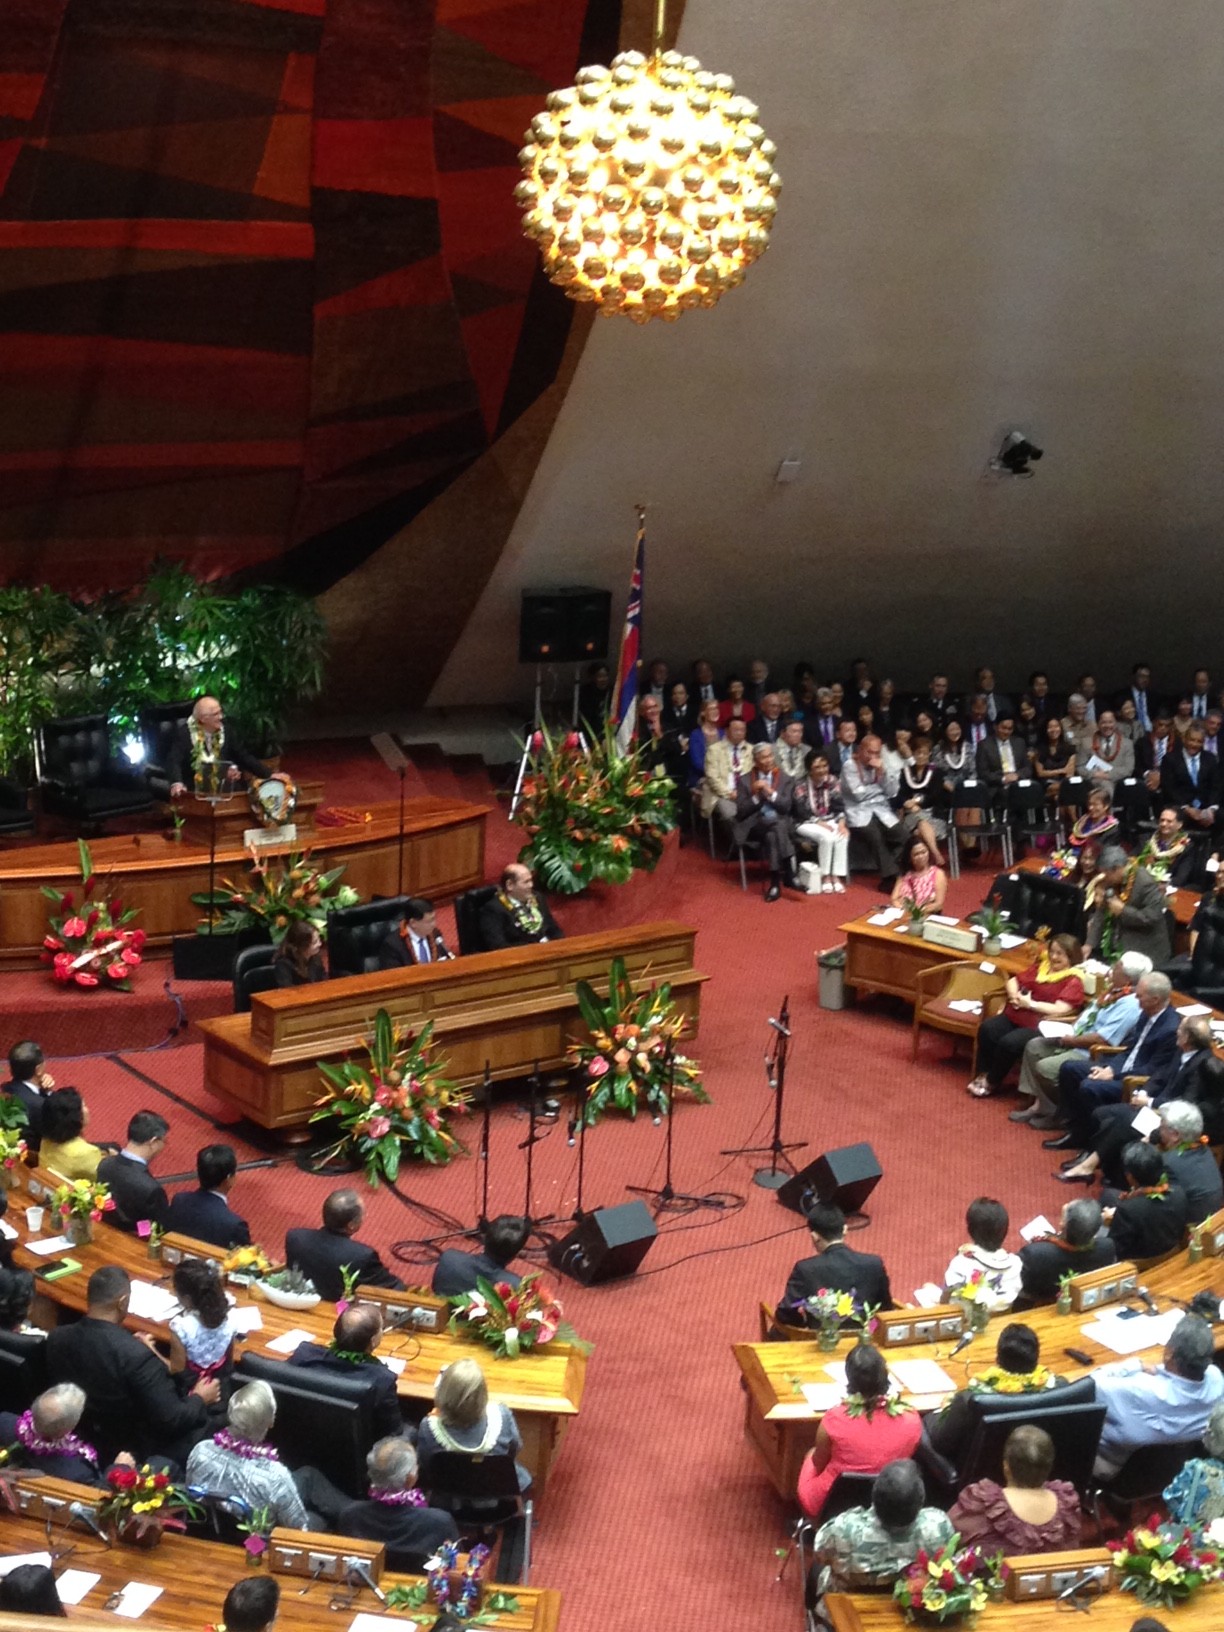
(629, 659)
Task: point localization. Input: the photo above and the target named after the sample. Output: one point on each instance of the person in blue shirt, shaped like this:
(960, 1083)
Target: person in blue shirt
(1158, 1405)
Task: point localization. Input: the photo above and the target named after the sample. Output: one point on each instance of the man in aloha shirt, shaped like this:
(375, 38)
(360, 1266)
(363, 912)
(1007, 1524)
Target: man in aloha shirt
(870, 1546)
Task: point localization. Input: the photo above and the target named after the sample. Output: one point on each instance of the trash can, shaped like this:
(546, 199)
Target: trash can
(831, 967)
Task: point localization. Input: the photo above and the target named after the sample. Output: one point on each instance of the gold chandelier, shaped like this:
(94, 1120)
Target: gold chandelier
(650, 187)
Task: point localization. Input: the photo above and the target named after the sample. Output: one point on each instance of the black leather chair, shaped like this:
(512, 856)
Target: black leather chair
(482, 1493)
(23, 1369)
(355, 934)
(1133, 803)
(15, 813)
(157, 727)
(253, 972)
(1143, 1477)
(1034, 902)
(81, 779)
(1009, 1409)
(323, 1420)
(1205, 980)
(468, 908)
(1075, 1430)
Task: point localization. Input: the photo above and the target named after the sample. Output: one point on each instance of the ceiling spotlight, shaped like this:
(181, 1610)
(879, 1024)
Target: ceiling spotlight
(1016, 455)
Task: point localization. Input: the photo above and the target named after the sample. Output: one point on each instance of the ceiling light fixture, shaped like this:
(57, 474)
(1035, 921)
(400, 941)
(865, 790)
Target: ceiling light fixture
(650, 187)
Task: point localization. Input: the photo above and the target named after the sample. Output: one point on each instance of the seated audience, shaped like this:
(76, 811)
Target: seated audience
(735, 706)
(65, 1117)
(202, 1334)
(725, 763)
(1029, 1512)
(1098, 825)
(791, 752)
(865, 1431)
(251, 1604)
(29, 1084)
(322, 1254)
(701, 739)
(1196, 1496)
(30, 1590)
(834, 1267)
(1017, 1370)
(919, 791)
(1161, 1407)
(819, 820)
(205, 1214)
(1167, 854)
(843, 747)
(415, 939)
(1188, 1160)
(299, 957)
(16, 1296)
(922, 884)
(238, 1462)
(1049, 989)
(1078, 1247)
(764, 801)
(1153, 745)
(1190, 781)
(355, 1336)
(465, 1422)
(820, 727)
(131, 1401)
(395, 1512)
(984, 1253)
(868, 1547)
(867, 794)
(1110, 755)
(136, 1193)
(1130, 913)
(1053, 759)
(503, 1238)
(954, 758)
(1029, 730)
(517, 916)
(1104, 1021)
(45, 1439)
(704, 688)
(661, 750)
(595, 697)
(1149, 1047)
(1149, 1218)
(678, 711)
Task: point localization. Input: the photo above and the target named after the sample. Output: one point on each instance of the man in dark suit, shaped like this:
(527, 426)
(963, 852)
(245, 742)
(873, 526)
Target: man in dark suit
(410, 1534)
(767, 727)
(1188, 1162)
(763, 811)
(704, 688)
(835, 1266)
(938, 702)
(1149, 1219)
(321, 1254)
(415, 939)
(355, 1336)
(997, 704)
(1135, 902)
(1190, 781)
(206, 734)
(504, 1237)
(1001, 760)
(55, 1416)
(29, 1084)
(1085, 1087)
(205, 1214)
(517, 916)
(1152, 749)
(131, 1402)
(136, 1193)
(1078, 1247)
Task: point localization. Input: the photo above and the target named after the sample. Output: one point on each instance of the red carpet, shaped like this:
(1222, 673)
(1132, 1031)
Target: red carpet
(659, 1512)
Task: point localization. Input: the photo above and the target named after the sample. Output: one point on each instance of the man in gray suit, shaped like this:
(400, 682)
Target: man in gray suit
(1135, 902)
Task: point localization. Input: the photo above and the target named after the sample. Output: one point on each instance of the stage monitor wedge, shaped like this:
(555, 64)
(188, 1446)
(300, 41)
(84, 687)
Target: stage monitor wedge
(845, 1176)
(607, 1243)
(564, 625)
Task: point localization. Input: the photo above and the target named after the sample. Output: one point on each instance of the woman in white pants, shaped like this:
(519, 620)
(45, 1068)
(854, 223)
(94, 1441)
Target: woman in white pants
(819, 820)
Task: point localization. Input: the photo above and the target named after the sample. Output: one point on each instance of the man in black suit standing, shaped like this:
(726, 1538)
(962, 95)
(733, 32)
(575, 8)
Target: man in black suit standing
(29, 1084)
(206, 739)
(517, 916)
(1190, 781)
(835, 1266)
(131, 1402)
(321, 1254)
(504, 1237)
(205, 1214)
(136, 1193)
(355, 1336)
(415, 939)
(410, 1533)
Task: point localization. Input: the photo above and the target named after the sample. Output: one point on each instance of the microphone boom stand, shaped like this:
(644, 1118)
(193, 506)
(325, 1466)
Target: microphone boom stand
(667, 1197)
(780, 1168)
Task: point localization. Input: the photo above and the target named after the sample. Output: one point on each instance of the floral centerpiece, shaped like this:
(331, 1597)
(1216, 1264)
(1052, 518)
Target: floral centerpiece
(400, 1103)
(461, 1591)
(89, 943)
(511, 1320)
(977, 1292)
(630, 1058)
(1164, 1564)
(82, 1204)
(833, 1312)
(246, 1264)
(139, 1504)
(591, 813)
(12, 1154)
(256, 1530)
(280, 891)
(943, 1586)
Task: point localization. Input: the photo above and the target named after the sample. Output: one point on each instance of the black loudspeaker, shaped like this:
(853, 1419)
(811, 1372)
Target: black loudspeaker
(609, 1242)
(564, 625)
(846, 1177)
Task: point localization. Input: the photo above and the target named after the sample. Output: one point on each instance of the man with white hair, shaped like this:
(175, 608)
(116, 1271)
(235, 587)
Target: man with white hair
(1188, 1161)
(206, 739)
(396, 1512)
(868, 790)
(45, 1438)
(1165, 1406)
(763, 811)
(237, 1461)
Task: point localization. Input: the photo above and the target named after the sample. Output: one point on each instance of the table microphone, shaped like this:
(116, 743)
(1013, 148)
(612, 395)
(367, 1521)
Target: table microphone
(779, 1026)
(358, 1569)
(87, 1516)
(962, 1342)
(1147, 1300)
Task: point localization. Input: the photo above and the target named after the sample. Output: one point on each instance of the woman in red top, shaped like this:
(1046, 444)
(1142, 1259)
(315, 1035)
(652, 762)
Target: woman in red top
(861, 1434)
(734, 707)
(1049, 989)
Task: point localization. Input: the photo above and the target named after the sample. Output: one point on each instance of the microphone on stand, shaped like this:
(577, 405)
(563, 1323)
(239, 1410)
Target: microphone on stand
(1147, 1300)
(962, 1342)
(359, 1570)
(780, 1025)
(87, 1516)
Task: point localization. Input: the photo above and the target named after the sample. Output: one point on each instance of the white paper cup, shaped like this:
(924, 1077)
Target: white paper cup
(34, 1219)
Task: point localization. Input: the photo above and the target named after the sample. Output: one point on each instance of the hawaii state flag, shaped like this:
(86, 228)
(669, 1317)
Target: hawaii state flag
(628, 668)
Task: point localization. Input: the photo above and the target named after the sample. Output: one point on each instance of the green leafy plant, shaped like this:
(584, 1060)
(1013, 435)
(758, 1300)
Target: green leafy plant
(279, 890)
(630, 1057)
(591, 814)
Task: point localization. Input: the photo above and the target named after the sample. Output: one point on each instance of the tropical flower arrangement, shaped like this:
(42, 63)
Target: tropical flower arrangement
(400, 1103)
(89, 943)
(256, 1529)
(279, 892)
(833, 1313)
(591, 813)
(511, 1320)
(83, 1199)
(1164, 1565)
(945, 1585)
(138, 1500)
(246, 1264)
(630, 1058)
(443, 1575)
(12, 1151)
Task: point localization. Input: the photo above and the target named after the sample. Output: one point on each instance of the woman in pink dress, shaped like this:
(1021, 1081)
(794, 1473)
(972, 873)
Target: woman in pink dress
(922, 884)
(861, 1434)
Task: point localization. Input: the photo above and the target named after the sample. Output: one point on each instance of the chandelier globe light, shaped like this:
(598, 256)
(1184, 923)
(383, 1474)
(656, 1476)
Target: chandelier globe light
(649, 187)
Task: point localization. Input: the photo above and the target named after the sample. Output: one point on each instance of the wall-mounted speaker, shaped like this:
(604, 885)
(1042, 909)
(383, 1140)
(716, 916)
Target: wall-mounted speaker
(846, 1176)
(564, 625)
(609, 1242)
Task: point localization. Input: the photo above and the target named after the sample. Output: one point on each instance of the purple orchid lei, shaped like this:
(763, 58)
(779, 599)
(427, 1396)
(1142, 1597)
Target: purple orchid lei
(69, 1445)
(399, 1498)
(247, 1449)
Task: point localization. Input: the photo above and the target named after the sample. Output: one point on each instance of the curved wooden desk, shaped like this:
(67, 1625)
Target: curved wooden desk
(1113, 1612)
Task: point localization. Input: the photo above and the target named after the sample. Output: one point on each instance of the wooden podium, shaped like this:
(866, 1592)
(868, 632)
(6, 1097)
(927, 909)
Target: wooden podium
(235, 816)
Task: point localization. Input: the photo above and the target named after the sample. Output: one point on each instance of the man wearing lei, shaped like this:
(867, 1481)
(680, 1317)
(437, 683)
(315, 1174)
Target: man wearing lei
(1017, 1370)
(201, 745)
(44, 1438)
(1166, 853)
(516, 916)
(236, 1461)
(355, 1336)
(396, 1513)
(1130, 915)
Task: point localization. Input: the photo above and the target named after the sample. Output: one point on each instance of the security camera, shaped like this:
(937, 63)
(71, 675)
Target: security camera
(1016, 455)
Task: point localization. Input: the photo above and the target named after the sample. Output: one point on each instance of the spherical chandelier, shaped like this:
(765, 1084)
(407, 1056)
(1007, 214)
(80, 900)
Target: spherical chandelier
(650, 187)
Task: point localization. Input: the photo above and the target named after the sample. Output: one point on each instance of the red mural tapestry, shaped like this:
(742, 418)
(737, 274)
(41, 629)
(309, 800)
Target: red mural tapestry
(262, 288)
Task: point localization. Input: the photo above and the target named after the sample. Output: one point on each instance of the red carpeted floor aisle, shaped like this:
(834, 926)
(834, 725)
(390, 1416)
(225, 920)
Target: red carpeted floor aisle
(659, 1510)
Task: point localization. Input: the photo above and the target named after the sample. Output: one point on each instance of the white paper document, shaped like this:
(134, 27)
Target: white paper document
(966, 1005)
(883, 919)
(15, 1559)
(7, 1230)
(942, 918)
(136, 1598)
(1055, 1028)
(1007, 942)
(288, 1341)
(379, 1623)
(822, 1396)
(1123, 1333)
(1190, 1011)
(928, 1295)
(73, 1585)
(1037, 1227)
(149, 1302)
(921, 1377)
(246, 1320)
(50, 1247)
(1146, 1121)
(393, 1363)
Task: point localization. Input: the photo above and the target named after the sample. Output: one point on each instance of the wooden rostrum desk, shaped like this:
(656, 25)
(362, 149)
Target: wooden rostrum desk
(543, 1388)
(510, 1008)
(782, 1426)
(1114, 1611)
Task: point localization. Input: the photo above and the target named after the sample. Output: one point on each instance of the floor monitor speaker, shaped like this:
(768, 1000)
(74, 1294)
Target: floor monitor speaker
(846, 1176)
(609, 1242)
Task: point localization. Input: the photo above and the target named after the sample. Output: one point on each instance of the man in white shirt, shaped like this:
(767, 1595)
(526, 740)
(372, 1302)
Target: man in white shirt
(867, 793)
(1158, 1405)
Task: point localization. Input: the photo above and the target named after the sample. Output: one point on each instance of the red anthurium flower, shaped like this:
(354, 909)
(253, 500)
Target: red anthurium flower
(118, 971)
(83, 978)
(132, 959)
(74, 928)
(52, 943)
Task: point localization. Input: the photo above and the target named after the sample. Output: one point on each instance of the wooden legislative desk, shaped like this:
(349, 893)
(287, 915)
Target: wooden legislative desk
(1113, 1612)
(509, 1008)
(882, 958)
(443, 854)
(782, 1426)
(543, 1388)
(196, 1575)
